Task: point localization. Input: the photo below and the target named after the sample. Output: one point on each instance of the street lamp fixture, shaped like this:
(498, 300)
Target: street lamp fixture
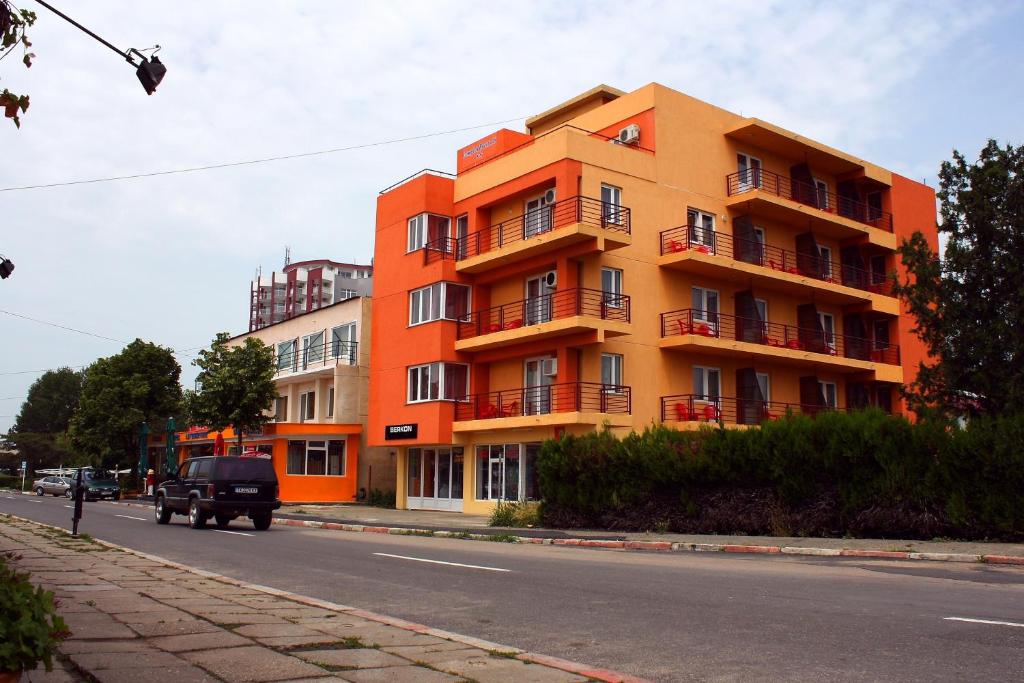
(6, 267)
(150, 70)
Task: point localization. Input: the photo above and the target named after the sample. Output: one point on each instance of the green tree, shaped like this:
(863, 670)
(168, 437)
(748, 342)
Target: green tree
(236, 386)
(13, 23)
(40, 430)
(969, 307)
(120, 392)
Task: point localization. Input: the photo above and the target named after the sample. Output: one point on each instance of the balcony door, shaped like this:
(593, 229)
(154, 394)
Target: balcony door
(538, 297)
(537, 217)
(749, 171)
(537, 381)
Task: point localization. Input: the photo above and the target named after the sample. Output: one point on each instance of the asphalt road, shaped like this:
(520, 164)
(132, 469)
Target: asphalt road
(665, 617)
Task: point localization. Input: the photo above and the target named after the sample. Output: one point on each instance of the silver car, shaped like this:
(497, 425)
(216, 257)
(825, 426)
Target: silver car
(55, 486)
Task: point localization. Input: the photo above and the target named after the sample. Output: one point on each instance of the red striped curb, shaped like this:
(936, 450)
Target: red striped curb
(886, 554)
(760, 549)
(1002, 559)
(604, 675)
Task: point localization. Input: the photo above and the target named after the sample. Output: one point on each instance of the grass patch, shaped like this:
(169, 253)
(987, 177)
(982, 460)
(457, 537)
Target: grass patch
(414, 532)
(503, 653)
(461, 534)
(350, 643)
(515, 514)
(503, 538)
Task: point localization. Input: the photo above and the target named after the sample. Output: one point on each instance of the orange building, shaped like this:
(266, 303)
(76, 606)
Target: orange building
(632, 258)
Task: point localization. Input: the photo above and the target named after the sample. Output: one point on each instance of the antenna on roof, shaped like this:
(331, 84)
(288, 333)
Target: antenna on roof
(287, 255)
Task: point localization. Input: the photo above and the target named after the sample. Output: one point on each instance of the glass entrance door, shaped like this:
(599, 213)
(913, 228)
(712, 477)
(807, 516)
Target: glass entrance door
(538, 300)
(434, 479)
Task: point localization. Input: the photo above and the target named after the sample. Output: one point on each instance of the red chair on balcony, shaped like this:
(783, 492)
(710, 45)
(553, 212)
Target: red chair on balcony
(513, 324)
(683, 413)
(702, 249)
(796, 345)
(684, 327)
(676, 246)
(488, 411)
(511, 410)
(702, 329)
(493, 327)
(769, 415)
(712, 413)
(773, 265)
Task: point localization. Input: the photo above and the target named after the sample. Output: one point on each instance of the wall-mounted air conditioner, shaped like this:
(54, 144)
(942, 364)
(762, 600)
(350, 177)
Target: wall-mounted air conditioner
(630, 134)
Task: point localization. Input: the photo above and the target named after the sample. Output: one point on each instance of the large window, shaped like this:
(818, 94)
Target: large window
(829, 394)
(611, 204)
(611, 372)
(316, 458)
(702, 227)
(426, 228)
(307, 406)
(439, 301)
(281, 409)
(438, 381)
(611, 287)
(707, 383)
(286, 354)
(705, 306)
(507, 471)
(312, 349)
(343, 342)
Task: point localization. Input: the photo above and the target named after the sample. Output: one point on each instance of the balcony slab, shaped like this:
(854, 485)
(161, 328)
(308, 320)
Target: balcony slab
(548, 420)
(566, 236)
(553, 328)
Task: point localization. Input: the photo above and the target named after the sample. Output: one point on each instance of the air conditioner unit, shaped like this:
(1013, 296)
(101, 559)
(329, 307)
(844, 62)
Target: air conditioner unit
(630, 134)
(549, 196)
(549, 367)
(550, 279)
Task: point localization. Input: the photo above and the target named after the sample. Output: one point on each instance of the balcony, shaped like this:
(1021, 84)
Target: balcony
(788, 200)
(691, 410)
(570, 403)
(316, 358)
(728, 335)
(561, 313)
(564, 223)
(735, 259)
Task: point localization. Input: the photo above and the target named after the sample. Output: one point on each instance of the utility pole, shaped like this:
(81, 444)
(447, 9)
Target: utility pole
(149, 70)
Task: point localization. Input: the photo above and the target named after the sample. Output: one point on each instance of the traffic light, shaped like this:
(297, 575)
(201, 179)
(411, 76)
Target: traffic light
(150, 73)
(6, 268)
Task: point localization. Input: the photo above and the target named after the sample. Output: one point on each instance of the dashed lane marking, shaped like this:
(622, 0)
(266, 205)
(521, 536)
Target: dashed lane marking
(990, 622)
(450, 564)
(141, 519)
(236, 533)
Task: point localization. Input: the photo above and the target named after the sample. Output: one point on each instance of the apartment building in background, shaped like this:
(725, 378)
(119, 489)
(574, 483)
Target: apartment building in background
(632, 258)
(316, 438)
(305, 286)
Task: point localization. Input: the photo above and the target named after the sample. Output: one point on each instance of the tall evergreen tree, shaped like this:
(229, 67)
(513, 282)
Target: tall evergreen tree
(969, 306)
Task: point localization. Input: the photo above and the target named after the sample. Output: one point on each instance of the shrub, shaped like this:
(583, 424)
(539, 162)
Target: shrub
(381, 499)
(30, 628)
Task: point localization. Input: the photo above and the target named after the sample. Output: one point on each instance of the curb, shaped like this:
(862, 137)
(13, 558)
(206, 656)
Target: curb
(604, 675)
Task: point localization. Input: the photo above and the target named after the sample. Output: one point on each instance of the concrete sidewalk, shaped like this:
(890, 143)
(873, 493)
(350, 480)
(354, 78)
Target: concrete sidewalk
(137, 617)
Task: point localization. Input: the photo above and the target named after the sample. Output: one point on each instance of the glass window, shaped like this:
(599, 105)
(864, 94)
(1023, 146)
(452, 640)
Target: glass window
(707, 383)
(483, 472)
(611, 203)
(281, 409)
(205, 468)
(457, 473)
(296, 457)
(336, 458)
(443, 300)
(705, 305)
(413, 480)
(611, 286)
(702, 227)
(828, 393)
(510, 472)
(456, 301)
(531, 480)
(611, 371)
(330, 402)
(825, 256)
(286, 354)
(417, 232)
(343, 342)
(821, 187)
(505, 472)
(316, 458)
(434, 381)
(456, 381)
(312, 349)
(307, 406)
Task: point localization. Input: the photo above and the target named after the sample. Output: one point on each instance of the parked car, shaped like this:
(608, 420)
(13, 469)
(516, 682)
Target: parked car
(99, 486)
(222, 487)
(54, 486)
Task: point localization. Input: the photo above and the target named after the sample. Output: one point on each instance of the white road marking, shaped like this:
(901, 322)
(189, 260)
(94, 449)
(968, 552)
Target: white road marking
(69, 506)
(450, 564)
(984, 621)
(141, 519)
(236, 533)
(35, 501)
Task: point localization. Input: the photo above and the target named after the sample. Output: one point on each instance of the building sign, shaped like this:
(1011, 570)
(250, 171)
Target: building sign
(478, 149)
(406, 431)
(196, 435)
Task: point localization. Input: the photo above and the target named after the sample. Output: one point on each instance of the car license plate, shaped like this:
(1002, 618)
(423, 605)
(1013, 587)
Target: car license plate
(246, 489)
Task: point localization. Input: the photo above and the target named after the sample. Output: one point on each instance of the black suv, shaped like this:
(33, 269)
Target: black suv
(222, 487)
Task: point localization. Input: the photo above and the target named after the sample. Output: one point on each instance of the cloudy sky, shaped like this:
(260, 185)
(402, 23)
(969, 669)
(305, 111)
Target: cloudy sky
(169, 258)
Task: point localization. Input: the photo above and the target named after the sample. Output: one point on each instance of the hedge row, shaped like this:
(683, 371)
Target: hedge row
(839, 474)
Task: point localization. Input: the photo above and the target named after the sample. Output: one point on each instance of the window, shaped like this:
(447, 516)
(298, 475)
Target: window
(828, 394)
(307, 406)
(286, 355)
(702, 227)
(611, 286)
(881, 333)
(343, 342)
(611, 204)
(877, 264)
(765, 385)
(507, 471)
(874, 202)
(705, 306)
(440, 301)
(312, 349)
(611, 372)
(281, 409)
(330, 402)
(461, 236)
(316, 458)
(748, 170)
(347, 294)
(707, 383)
(825, 261)
(438, 381)
(336, 458)
(428, 229)
(296, 457)
(821, 190)
(828, 325)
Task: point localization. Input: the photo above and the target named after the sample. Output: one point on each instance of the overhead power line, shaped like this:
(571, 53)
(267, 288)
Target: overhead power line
(264, 160)
(62, 327)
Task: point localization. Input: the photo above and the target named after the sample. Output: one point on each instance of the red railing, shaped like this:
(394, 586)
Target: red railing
(541, 309)
(694, 238)
(540, 221)
(724, 326)
(730, 409)
(809, 195)
(554, 398)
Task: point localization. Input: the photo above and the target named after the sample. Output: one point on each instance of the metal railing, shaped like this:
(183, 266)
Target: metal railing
(533, 311)
(807, 194)
(540, 221)
(725, 326)
(704, 241)
(733, 410)
(567, 397)
(321, 355)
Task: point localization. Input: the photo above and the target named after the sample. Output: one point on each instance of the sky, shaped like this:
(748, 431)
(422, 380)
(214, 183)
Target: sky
(169, 258)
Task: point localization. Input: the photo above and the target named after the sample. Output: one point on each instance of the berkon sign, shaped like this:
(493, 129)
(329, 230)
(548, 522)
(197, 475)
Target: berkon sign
(406, 431)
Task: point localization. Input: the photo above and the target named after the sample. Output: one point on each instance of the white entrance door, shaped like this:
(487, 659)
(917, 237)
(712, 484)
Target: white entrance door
(434, 479)
(537, 381)
(538, 300)
(537, 218)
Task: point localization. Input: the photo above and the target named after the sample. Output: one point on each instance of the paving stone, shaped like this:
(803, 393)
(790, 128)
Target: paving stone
(177, 674)
(296, 612)
(273, 630)
(59, 674)
(414, 652)
(158, 617)
(297, 641)
(244, 664)
(372, 633)
(235, 618)
(491, 669)
(361, 658)
(95, 661)
(399, 674)
(96, 626)
(199, 641)
(441, 655)
(69, 647)
(173, 628)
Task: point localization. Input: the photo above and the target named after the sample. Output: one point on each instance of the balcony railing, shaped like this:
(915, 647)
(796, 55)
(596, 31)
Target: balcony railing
(543, 400)
(732, 410)
(809, 195)
(539, 221)
(697, 239)
(533, 311)
(318, 356)
(724, 326)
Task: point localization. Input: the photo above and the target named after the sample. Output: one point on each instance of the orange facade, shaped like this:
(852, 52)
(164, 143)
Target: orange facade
(633, 258)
